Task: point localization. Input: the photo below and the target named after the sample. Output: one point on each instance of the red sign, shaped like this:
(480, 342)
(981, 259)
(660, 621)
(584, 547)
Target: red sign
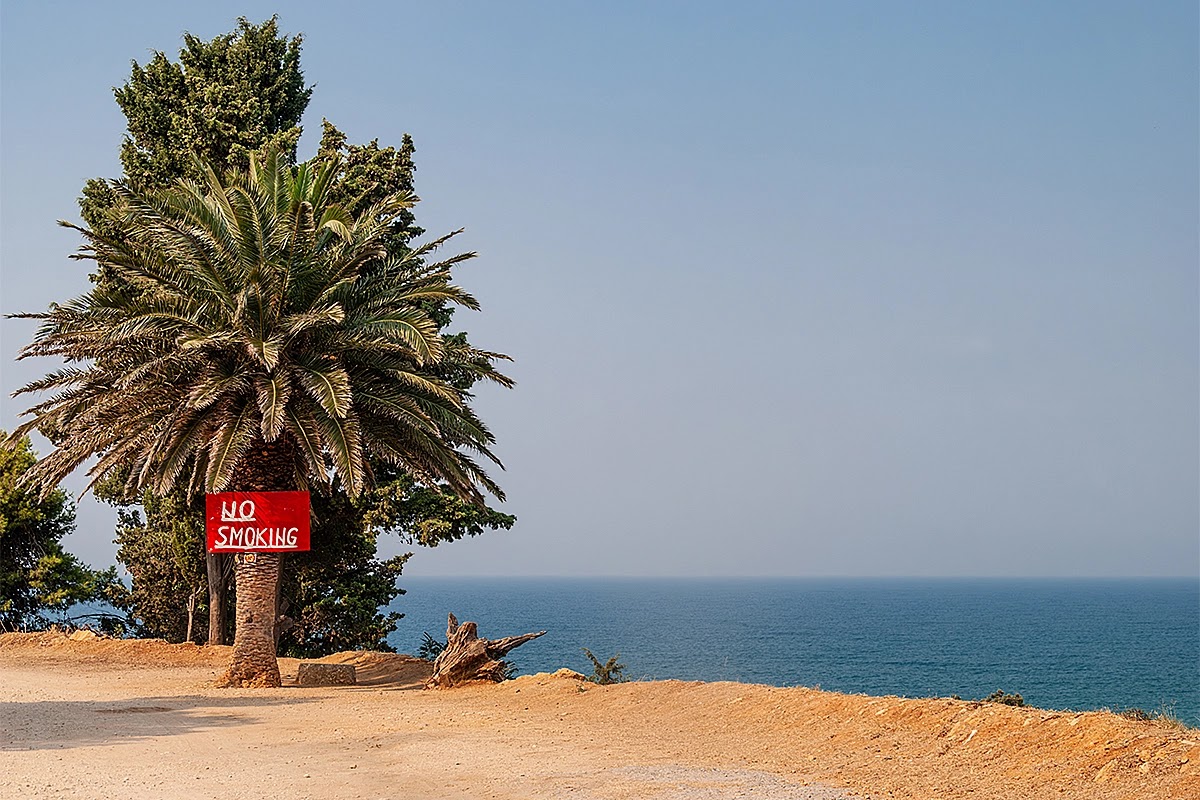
(257, 522)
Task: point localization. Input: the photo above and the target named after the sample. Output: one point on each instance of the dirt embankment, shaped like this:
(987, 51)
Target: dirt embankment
(103, 718)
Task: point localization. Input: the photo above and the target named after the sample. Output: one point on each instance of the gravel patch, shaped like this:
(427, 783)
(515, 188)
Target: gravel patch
(689, 783)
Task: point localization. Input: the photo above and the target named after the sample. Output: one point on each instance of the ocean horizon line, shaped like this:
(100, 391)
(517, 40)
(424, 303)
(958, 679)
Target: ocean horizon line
(504, 577)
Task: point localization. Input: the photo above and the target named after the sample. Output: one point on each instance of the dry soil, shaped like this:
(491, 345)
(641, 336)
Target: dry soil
(95, 718)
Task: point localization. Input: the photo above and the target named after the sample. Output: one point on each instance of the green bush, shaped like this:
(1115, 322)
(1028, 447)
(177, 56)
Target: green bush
(611, 671)
(430, 647)
(1000, 696)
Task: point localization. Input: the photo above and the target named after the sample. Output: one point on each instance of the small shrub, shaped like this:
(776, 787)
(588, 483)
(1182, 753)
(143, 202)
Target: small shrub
(1137, 714)
(999, 696)
(430, 647)
(1167, 718)
(611, 671)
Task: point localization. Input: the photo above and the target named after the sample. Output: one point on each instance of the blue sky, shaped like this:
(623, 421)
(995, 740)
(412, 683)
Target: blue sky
(793, 288)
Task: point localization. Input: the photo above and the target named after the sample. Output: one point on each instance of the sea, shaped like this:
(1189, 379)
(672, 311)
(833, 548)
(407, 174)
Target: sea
(1077, 644)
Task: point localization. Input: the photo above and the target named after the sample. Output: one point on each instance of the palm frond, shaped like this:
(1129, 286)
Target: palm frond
(341, 436)
(328, 385)
(246, 312)
(310, 447)
(230, 443)
(273, 393)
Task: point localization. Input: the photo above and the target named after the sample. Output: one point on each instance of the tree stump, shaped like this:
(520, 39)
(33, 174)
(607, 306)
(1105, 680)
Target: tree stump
(469, 658)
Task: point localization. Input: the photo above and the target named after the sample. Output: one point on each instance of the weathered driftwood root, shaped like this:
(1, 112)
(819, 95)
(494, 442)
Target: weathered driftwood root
(469, 658)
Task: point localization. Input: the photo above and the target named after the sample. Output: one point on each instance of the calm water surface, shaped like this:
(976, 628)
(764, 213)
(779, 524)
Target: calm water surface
(1064, 644)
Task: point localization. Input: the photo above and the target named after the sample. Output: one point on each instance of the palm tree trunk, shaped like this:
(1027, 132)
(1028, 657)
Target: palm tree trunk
(266, 468)
(254, 663)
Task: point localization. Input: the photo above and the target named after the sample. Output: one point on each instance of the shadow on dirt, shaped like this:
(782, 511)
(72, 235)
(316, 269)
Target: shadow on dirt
(58, 724)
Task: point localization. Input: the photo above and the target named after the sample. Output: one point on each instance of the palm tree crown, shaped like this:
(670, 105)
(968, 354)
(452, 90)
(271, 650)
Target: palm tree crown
(254, 313)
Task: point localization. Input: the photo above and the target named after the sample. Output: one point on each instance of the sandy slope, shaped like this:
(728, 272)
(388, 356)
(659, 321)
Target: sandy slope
(108, 719)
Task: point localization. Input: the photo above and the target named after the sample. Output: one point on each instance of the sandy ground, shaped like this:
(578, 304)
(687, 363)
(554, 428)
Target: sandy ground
(120, 719)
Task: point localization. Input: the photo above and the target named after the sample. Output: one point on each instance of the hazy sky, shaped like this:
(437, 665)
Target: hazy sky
(793, 288)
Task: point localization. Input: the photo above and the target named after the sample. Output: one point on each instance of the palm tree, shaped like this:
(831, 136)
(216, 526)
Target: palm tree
(262, 340)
